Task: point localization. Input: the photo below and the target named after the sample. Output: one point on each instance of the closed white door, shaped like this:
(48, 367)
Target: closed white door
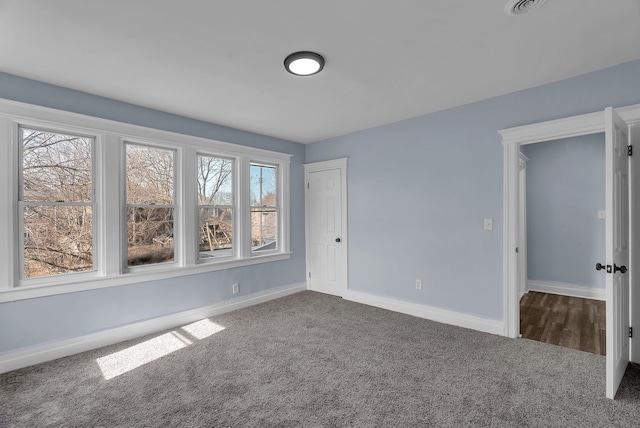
(617, 248)
(326, 227)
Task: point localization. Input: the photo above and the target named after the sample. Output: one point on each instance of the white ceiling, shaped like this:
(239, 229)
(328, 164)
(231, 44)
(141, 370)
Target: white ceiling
(222, 60)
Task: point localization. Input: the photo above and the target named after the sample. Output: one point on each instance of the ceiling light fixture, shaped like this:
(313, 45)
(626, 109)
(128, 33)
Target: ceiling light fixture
(304, 63)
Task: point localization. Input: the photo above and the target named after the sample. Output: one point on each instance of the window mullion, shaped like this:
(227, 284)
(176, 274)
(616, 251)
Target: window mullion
(243, 237)
(57, 204)
(284, 208)
(222, 207)
(110, 199)
(187, 205)
(9, 197)
(172, 206)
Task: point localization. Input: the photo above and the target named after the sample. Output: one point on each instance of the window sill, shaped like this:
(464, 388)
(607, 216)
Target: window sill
(72, 285)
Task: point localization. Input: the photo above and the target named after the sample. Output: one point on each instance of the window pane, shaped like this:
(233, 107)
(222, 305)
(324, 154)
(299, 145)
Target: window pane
(149, 175)
(150, 235)
(214, 181)
(264, 229)
(56, 167)
(216, 232)
(263, 185)
(57, 239)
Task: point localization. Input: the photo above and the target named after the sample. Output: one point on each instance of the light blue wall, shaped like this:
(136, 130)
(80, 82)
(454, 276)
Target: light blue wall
(419, 190)
(30, 322)
(565, 190)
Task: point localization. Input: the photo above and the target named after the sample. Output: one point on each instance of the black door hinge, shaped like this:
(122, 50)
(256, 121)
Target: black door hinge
(630, 331)
(630, 150)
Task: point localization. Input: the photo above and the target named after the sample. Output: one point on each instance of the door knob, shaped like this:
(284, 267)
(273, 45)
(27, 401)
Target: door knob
(600, 266)
(622, 269)
(616, 268)
(338, 240)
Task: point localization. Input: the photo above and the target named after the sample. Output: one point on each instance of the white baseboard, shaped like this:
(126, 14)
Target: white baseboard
(566, 289)
(428, 312)
(50, 351)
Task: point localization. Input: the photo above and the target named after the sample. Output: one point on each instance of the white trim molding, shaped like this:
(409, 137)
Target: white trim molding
(428, 312)
(584, 124)
(566, 289)
(25, 357)
(69, 285)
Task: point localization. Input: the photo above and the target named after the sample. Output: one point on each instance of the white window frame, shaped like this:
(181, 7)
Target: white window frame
(110, 219)
(21, 204)
(277, 210)
(178, 253)
(234, 210)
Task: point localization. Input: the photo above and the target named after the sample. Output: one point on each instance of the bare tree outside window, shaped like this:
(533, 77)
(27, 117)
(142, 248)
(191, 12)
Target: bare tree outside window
(264, 208)
(215, 206)
(93, 203)
(150, 204)
(56, 199)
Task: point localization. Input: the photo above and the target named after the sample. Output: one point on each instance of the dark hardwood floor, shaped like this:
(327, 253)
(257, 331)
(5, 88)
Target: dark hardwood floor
(571, 322)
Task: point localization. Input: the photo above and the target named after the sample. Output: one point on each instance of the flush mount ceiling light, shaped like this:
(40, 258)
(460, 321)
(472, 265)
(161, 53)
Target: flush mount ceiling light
(520, 7)
(304, 63)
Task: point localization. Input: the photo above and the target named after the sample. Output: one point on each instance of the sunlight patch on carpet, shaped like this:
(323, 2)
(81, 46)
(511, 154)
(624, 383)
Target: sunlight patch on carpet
(123, 361)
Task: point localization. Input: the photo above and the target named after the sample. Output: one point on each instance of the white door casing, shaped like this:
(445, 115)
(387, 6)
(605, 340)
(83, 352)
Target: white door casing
(617, 247)
(522, 237)
(512, 138)
(326, 226)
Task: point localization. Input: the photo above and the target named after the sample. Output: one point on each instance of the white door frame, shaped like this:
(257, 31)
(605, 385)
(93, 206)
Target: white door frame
(522, 207)
(512, 138)
(340, 164)
(634, 244)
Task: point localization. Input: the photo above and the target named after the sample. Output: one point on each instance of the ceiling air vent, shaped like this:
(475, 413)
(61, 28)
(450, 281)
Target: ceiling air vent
(520, 7)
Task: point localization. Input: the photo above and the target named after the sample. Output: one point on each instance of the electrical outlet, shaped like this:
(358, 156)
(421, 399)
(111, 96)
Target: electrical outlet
(235, 288)
(418, 284)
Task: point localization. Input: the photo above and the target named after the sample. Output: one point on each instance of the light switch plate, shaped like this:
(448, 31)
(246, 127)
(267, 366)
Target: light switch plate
(602, 214)
(488, 224)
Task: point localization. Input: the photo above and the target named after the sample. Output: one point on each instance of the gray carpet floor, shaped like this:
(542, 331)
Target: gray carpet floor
(311, 360)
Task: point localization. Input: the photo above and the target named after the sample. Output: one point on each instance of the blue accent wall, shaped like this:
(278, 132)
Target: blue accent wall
(565, 190)
(48, 319)
(419, 190)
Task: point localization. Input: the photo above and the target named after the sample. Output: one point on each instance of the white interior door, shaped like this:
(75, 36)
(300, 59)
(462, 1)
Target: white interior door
(326, 228)
(617, 248)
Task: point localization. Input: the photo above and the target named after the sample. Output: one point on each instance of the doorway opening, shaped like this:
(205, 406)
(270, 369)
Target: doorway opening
(619, 250)
(562, 237)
